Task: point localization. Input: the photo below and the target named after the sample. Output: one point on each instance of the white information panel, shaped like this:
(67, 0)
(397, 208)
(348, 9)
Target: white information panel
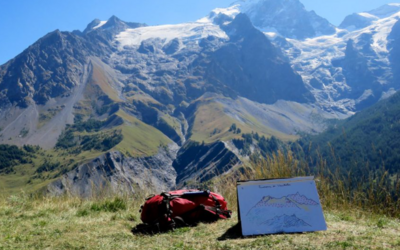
(280, 206)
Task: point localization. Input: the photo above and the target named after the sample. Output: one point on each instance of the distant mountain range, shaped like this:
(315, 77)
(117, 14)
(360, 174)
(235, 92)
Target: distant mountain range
(156, 106)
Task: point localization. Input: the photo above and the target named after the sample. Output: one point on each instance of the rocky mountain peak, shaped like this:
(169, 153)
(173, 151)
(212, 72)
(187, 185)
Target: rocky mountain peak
(287, 17)
(47, 69)
(113, 24)
(385, 10)
(361, 20)
(240, 26)
(92, 25)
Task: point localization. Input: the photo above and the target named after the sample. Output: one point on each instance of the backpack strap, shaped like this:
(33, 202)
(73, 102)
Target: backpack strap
(217, 204)
(172, 222)
(164, 213)
(223, 214)
(168, 198)
(167, 212)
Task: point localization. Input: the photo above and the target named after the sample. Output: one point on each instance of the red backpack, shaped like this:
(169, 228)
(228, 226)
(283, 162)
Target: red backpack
(173, 209)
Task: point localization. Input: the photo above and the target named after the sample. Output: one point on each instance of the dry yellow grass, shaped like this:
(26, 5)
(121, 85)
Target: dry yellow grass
(68, 223)
(100, 78)
(211, 116)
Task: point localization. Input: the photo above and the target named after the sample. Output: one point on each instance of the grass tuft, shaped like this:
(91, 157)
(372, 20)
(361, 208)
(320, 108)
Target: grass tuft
(109, 206)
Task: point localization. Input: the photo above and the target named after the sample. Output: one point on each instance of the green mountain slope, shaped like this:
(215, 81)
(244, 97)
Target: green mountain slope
(369, 139)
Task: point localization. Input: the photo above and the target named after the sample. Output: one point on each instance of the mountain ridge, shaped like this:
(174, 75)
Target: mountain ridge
(129, 89)
(135, 99)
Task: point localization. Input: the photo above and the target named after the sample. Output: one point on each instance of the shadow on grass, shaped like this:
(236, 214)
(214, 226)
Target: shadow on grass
(235, 232)
(153, 229)
(145, 229)
(150, 230)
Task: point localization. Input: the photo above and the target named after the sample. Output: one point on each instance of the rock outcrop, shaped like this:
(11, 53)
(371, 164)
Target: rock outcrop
(198, 163)
(116, 173)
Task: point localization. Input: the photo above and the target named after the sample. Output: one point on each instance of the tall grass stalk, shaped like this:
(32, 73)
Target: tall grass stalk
(338, 189)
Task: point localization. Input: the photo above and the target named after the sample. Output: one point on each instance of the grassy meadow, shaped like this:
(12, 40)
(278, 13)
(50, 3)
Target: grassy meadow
(355, 220)
(27, 223)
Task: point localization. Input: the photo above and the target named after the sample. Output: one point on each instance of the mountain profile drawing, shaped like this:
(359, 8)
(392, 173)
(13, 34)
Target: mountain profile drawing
(285, 221)
(288, 201)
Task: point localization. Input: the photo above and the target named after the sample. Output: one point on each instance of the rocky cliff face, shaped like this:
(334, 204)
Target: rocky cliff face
(252, 67)
(115, 173)
(360, 77)
(51, 67)
(54, 65)
(197, 163)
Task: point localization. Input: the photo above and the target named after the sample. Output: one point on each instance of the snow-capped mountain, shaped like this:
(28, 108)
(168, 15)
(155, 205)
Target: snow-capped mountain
(286, 17)
(318, 55)
(349, 69)
(361, 20)
(345, 69)
(267, 66)
(132, 93)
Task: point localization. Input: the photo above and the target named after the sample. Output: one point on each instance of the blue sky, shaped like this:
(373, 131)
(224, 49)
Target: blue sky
(22, 22)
